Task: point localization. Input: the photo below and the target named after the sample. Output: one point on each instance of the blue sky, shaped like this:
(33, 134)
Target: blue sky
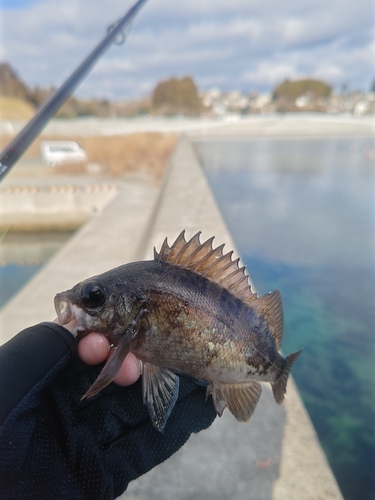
(15, 4)
(238, 44)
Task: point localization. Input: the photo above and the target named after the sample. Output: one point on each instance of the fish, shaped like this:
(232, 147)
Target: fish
(189, 311)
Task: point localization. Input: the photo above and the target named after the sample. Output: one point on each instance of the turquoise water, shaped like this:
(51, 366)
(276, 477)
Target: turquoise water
(22, 255)
(12, 278)
(302, 215)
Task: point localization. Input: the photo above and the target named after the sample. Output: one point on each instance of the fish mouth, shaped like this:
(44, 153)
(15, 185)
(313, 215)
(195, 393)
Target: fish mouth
(67, 312)
(63, 309)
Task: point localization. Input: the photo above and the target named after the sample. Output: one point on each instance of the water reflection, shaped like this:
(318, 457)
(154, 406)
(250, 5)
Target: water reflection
(302, 215)
(30, 248)
(22, 255)
(325, 181)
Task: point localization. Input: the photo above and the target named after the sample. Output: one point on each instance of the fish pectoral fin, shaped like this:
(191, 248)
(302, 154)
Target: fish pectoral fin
(112, 367)
(240, 399)
(279, 386)
(125, 345)
(160, 391)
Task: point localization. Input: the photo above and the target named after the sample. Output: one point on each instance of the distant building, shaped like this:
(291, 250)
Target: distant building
(356, 103)
(222, 104)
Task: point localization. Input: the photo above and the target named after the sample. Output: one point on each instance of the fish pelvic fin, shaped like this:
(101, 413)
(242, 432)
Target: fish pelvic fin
(279, 386)
(240, 399)
(271, 308)
(160, 391)
(210, 262)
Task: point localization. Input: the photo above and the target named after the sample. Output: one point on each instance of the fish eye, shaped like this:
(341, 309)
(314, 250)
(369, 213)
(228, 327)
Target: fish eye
(92, 295)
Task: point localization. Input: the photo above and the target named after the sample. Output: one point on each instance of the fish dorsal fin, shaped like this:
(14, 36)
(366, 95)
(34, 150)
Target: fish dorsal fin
(210, 262)
(271, 308)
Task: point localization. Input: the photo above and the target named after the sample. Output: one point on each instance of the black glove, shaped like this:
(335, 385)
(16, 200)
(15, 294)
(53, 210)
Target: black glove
(53, 445)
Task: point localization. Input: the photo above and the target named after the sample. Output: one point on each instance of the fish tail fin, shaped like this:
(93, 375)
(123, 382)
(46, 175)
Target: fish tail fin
(279, 386)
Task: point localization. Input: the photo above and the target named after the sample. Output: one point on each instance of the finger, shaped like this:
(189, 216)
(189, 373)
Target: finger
(93, 349)
(130, 371)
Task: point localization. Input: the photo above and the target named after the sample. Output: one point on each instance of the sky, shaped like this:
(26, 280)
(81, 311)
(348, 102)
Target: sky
(247, 45)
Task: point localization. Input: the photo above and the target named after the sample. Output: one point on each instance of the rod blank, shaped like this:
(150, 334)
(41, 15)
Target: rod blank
(15, 149)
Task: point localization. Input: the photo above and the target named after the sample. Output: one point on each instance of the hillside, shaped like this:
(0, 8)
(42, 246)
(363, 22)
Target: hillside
(15, 108)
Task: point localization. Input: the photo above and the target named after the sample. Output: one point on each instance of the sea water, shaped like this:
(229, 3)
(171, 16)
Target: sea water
(301, 212)
(22, 254)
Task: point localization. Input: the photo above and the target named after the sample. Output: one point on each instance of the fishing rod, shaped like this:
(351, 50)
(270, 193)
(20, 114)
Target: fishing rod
(15, 149)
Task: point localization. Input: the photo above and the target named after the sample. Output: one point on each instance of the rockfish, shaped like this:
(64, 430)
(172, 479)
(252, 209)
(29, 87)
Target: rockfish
(189, 311)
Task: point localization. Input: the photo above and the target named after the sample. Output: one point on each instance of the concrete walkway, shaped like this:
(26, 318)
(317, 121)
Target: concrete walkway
(274, 456)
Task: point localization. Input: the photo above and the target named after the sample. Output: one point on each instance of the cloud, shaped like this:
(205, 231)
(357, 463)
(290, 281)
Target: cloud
(243, 44)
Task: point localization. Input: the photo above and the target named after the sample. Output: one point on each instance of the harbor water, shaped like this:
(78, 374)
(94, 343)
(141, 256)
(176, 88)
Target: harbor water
(301, 212)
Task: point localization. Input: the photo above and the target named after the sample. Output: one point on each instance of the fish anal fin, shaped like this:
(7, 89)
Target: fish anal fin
(240, 399)
(279, 386)
(271, 308)
(160, 391)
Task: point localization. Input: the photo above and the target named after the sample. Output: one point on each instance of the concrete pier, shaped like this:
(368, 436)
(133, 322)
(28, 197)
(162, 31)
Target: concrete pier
(274, 456)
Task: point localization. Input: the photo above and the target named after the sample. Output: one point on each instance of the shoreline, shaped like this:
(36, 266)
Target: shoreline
(268, 124)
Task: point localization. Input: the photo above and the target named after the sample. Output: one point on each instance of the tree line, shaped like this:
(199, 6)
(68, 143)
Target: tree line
(172, 96)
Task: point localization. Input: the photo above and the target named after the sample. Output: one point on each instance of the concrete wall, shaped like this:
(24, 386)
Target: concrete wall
(55, 204)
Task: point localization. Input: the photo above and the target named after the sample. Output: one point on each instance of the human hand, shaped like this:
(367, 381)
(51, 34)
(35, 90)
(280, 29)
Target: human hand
(94, 348)
(67, 447)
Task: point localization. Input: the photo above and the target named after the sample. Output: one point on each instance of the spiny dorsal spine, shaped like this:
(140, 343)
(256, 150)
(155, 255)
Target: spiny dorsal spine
(210, 262)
